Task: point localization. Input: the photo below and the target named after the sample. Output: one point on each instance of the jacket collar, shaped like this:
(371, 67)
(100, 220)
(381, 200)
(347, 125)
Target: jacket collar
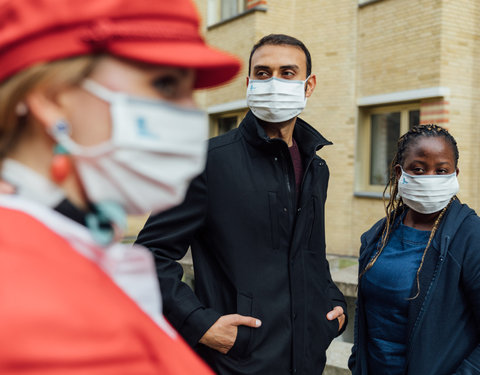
(308, 139)
(454, 217)
(131, 267)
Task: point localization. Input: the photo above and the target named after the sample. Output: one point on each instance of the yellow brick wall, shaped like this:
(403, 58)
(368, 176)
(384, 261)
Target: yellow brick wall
(398, 49)
(384, 47)
(460, 57)
(329, 32)
(398, 46)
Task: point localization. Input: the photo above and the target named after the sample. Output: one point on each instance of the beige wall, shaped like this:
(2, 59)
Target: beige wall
(460, 57)
(381, 48)
(398, 49)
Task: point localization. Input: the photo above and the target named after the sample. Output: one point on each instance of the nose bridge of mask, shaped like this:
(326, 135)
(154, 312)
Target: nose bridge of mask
(151, 124)
(157, 126)
(277, 86)
(282, 85)
(424, 182)
(429, 187)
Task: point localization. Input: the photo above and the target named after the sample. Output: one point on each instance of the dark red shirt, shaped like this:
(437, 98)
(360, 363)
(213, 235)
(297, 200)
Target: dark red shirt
(297, 165)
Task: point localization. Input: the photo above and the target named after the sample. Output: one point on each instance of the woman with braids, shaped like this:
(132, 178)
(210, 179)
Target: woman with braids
(418, 306)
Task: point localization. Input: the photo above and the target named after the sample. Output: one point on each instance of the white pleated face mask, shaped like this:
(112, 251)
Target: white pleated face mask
(275, 99)
(155, 150)
(427, 193)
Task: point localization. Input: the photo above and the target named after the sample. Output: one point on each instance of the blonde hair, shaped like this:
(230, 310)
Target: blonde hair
(52, 75)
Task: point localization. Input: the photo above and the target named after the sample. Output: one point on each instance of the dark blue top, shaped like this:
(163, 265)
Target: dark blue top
(386, 288)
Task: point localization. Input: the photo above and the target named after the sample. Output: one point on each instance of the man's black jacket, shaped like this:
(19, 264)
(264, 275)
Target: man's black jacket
(255, 252)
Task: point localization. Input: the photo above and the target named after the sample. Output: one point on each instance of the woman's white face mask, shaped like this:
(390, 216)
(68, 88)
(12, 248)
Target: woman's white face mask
(427, 193)
(155, 150)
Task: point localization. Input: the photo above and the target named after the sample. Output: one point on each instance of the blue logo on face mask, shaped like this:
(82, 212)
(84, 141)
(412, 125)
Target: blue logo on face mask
(142, 128)
(404, 181)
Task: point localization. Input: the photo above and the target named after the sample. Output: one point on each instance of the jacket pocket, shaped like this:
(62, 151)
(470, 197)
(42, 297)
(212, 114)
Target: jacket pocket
(274, 224)
(244, 333)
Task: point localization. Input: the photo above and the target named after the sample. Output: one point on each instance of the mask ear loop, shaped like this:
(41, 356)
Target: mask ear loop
(107, 222)
(101, 91)
(306, 84)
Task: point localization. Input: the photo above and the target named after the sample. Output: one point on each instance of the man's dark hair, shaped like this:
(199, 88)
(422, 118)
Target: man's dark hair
(278, 40)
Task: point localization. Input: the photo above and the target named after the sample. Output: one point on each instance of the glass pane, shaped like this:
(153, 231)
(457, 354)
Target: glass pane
(413, 118)
(229, 8)
(226, 124)
(385, 134)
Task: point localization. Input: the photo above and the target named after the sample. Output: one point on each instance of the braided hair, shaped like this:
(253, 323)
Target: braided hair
(395, 206)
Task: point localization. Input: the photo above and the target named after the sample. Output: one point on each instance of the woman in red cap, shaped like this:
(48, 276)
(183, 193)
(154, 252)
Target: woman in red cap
(96, 121)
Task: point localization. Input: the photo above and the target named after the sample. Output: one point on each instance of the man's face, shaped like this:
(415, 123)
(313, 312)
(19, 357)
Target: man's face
(280, 61)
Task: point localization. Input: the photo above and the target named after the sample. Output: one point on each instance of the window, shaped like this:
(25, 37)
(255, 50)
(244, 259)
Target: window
(226, 124)
(220, 10)
(222, 123)
(379, 131)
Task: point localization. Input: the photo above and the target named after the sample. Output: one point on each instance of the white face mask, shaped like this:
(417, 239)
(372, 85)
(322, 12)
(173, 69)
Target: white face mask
(155, 150)
(427, 193)
(275, 99)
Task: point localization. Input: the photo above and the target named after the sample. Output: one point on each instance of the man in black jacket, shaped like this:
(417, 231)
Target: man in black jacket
(264, 300)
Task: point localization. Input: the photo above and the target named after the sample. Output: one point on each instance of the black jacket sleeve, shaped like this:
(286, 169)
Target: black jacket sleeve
(168, 236)
(335, 295)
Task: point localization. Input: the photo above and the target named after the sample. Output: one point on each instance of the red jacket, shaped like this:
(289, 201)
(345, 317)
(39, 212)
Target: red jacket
(61, 314)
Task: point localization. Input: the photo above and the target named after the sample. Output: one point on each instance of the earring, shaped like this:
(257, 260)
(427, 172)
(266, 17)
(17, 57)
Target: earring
(21, 109)
(61, 165)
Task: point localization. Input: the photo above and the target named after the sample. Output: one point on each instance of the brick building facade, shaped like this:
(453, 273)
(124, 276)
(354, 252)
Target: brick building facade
(381, 66)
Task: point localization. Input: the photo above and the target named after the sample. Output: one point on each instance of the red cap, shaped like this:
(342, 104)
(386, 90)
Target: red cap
(163, 32)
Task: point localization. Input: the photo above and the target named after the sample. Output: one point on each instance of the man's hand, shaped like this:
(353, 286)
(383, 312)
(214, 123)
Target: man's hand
(221, 336)
(337, 313)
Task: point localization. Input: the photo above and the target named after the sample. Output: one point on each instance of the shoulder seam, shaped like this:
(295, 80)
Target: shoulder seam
(221, 144)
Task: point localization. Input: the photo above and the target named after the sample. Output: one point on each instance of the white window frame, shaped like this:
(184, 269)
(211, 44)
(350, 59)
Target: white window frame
(363, 159)
(385, 102)
(214, 122)
(214, 11)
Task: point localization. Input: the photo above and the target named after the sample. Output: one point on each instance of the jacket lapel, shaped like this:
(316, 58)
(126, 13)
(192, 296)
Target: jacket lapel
(432, 267)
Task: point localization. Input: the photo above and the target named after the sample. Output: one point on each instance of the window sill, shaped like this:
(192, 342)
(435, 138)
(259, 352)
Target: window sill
(370, 194)
(258, 8)
(362, 3)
